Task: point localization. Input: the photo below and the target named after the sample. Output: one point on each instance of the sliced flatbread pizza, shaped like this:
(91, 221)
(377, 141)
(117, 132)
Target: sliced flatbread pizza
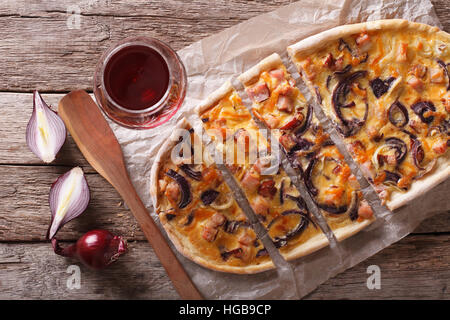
(281, 106)
(197, 210)
(385, 85)
(269, 190)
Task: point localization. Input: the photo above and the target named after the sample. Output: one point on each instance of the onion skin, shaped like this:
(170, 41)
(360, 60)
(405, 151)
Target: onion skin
(96, 249)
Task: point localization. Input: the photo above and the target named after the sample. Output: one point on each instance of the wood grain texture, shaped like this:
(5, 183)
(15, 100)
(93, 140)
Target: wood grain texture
(53, 57)
(40, 52)
(422, 275)
(25, 213)
(32, 271)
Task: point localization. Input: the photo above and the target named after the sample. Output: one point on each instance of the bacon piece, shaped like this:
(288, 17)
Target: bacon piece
(259, 92)
(363, 39)
(242, 137)
(209, 234)
(246, 239)
(309, 68)
(367, 169)
(287, 141)
(418, 70)
(329, 61)
(402, 52)
(271, 121)
(261, 205)
(285, 104)
(210, 228)
(353, 182)
(245, 254)
(446, 101)
(440, 147)
(437, 75)
(364, 210)
(267, 189)
(416, 83)
(339, 64)
(216, 220)
(250, 181)
(261, 164)
(294, 122)
(173, 191)
(277, 76)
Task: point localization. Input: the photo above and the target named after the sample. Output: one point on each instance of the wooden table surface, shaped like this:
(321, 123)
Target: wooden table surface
(39, 51)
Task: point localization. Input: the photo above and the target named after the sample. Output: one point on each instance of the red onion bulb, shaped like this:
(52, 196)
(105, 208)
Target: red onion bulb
(96, 249)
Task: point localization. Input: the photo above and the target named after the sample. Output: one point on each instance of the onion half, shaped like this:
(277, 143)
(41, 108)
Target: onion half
(69, 197)
(46, 132)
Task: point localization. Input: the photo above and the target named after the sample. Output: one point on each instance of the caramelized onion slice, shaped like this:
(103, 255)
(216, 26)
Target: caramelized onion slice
(186, 196)
(314, 191)
(282, 240)
(348, 127)
(398, 115)
(421, 107)
(445, 67)
(209, 196)
(196, 175)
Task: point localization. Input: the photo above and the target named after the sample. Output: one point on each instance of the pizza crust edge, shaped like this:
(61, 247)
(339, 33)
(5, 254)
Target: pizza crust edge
(318, 40)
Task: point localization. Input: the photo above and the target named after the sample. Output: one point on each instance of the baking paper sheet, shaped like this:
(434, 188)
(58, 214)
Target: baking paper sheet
(213, 60)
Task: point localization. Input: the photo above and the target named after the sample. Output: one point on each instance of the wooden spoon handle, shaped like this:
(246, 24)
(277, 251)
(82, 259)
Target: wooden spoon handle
(180, 279)
(101, 149)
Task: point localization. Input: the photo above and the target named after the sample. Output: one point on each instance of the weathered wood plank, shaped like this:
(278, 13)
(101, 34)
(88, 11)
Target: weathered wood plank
(25, 214)
(414, 268)
(67, 61)
(32, 271)
(52, 57)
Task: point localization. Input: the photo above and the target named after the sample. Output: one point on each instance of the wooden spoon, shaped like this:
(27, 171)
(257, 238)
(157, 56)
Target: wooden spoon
(101, 149)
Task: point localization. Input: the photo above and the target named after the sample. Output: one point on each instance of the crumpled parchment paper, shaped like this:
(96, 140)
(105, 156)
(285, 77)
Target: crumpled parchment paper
(213, 60)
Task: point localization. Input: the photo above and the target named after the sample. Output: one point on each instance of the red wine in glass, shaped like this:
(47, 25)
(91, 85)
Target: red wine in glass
(136, 77)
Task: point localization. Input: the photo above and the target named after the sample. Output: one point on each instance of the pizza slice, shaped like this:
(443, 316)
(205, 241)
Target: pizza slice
(281, 106)
(385, 85)
(195, 207)
(269, 190)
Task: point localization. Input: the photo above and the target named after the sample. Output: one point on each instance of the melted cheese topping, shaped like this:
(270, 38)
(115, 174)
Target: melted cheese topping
(331, 176)
(406, 64)
(190, 222)
(229, 114)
